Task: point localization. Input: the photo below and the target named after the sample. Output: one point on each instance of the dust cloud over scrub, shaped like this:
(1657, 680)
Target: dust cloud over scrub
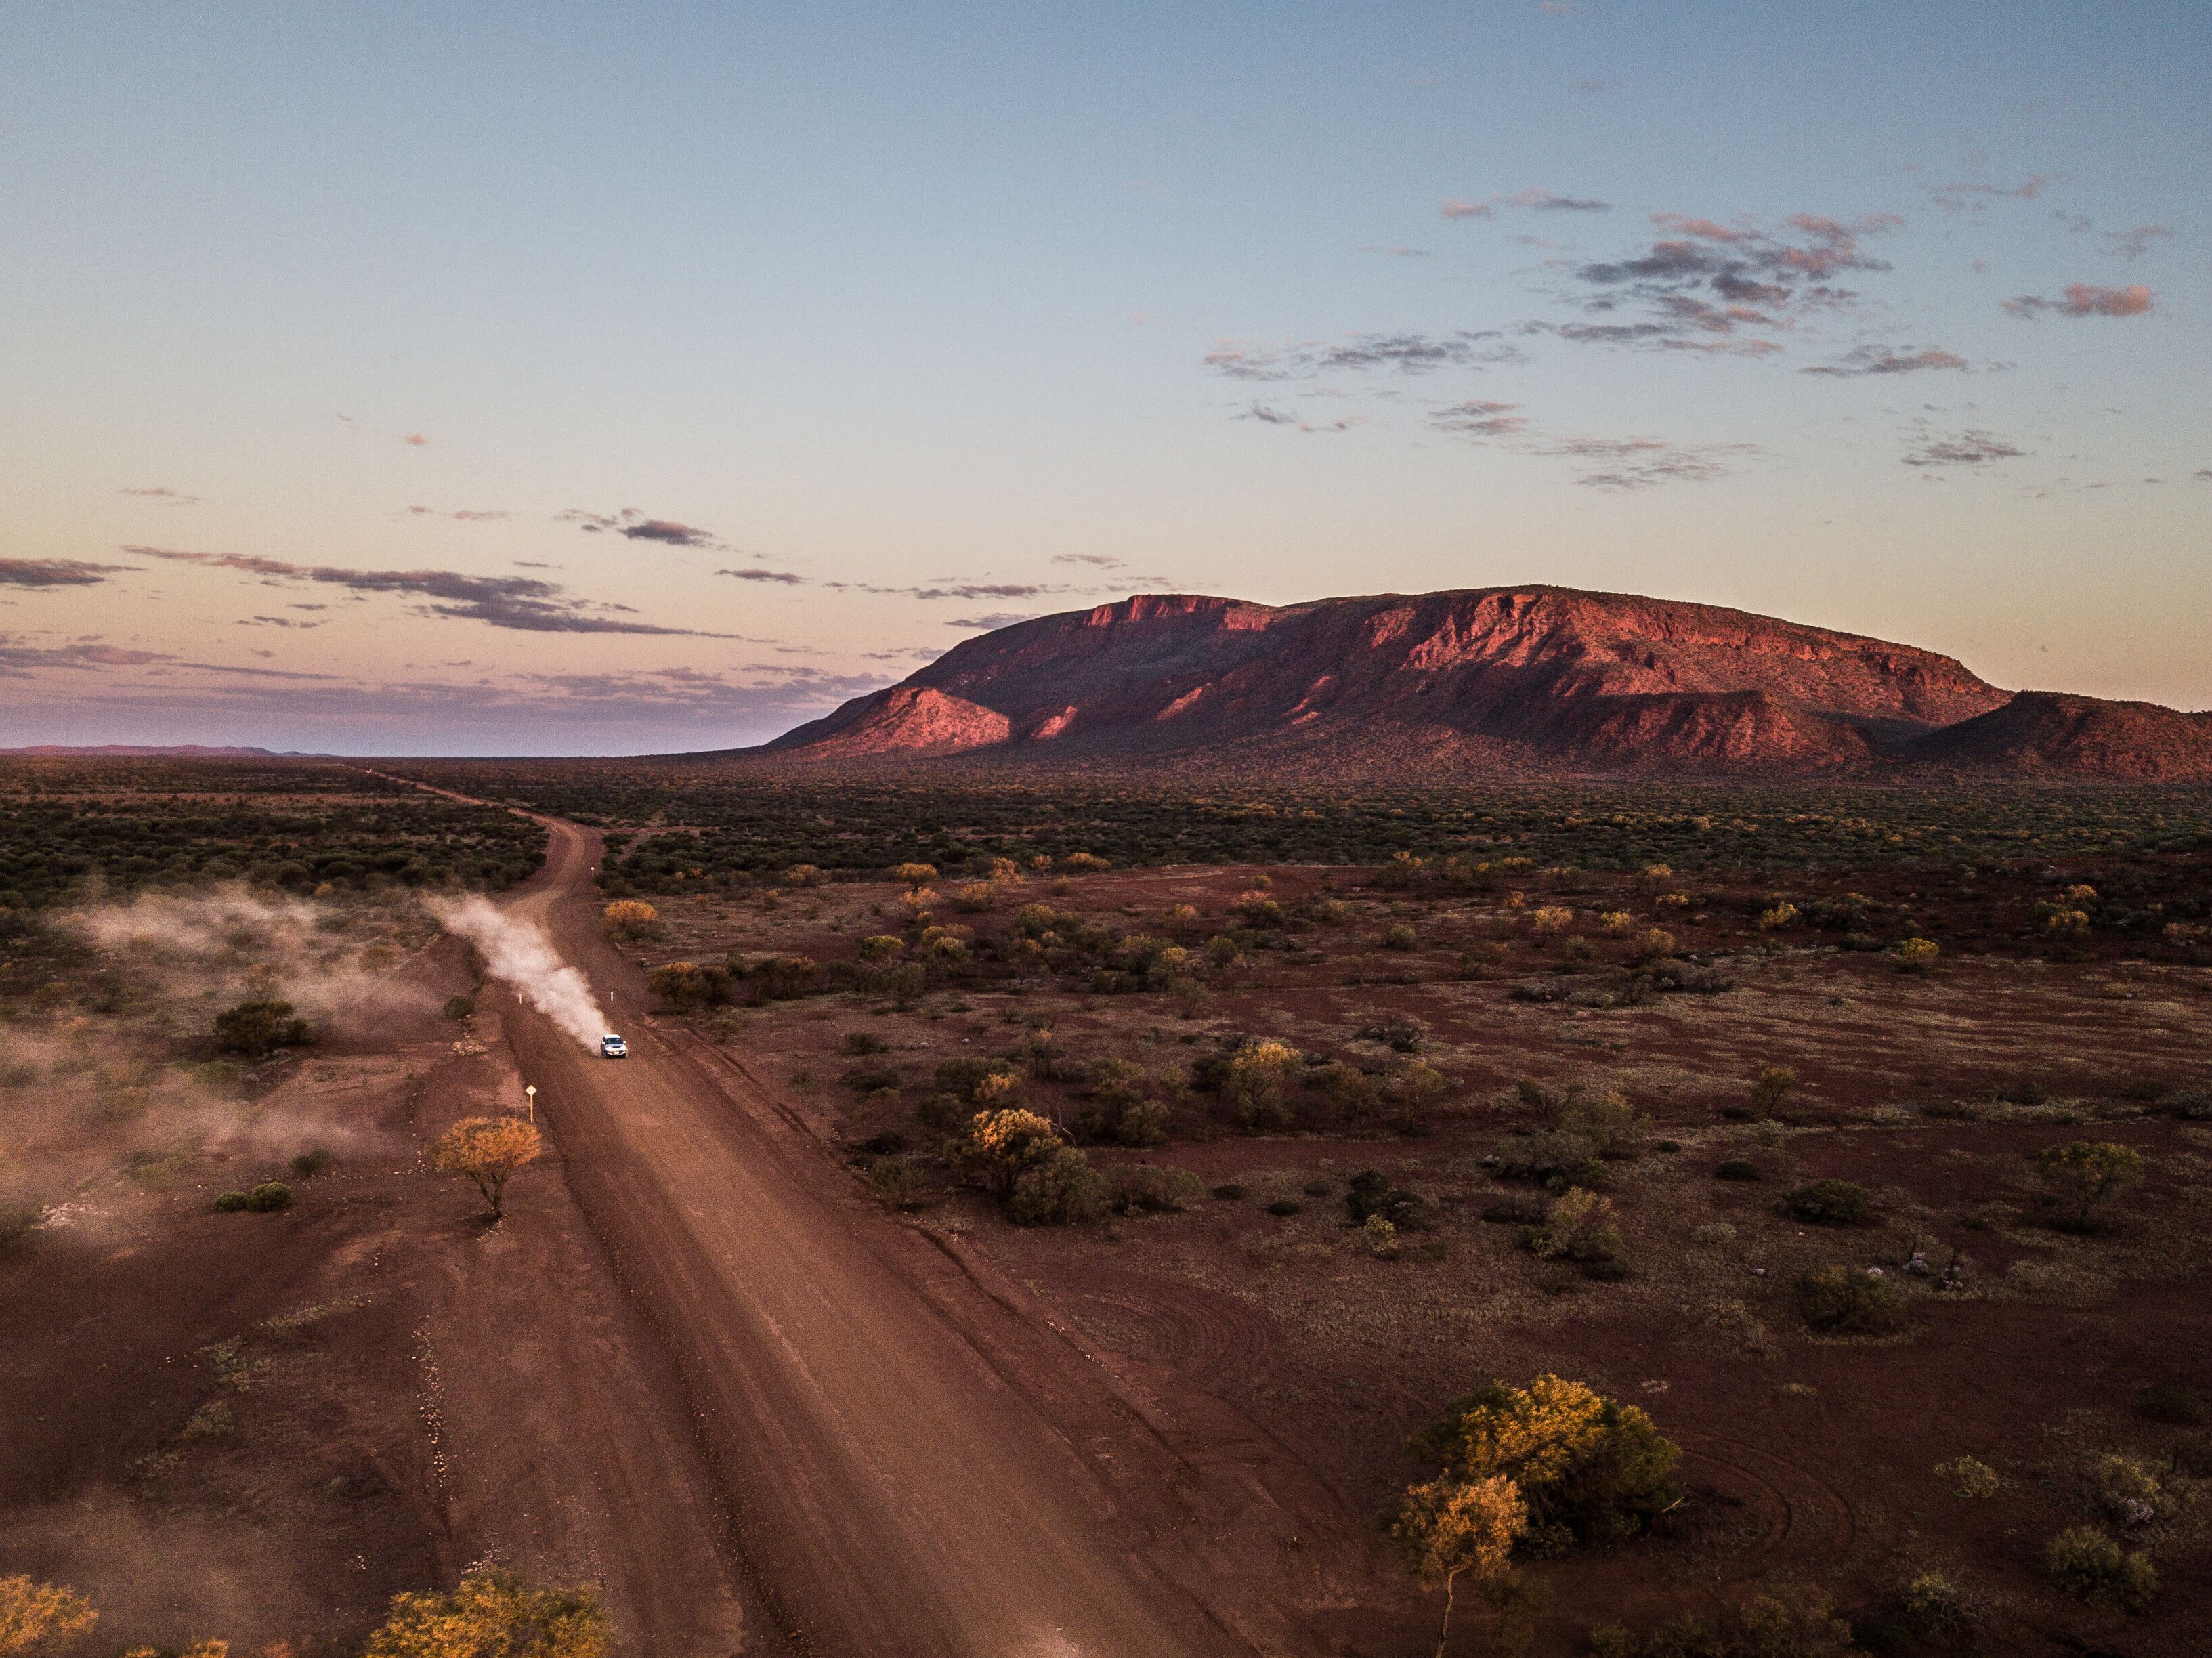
(519, 953)
(331, 961)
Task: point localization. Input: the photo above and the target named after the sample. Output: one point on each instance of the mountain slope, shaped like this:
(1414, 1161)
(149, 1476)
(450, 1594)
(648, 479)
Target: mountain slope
(1508, 678)
(2049, 731)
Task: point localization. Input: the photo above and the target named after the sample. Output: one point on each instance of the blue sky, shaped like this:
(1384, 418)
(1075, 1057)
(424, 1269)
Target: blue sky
(1877, 317)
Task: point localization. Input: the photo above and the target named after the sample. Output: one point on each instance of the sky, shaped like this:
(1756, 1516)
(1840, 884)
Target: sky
(475, 379)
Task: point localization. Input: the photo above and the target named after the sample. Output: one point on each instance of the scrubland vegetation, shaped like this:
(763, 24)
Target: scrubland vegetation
(1711, 1224)
(1805, 1111)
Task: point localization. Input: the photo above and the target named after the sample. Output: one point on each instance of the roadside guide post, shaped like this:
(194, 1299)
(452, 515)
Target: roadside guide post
(531, 1089)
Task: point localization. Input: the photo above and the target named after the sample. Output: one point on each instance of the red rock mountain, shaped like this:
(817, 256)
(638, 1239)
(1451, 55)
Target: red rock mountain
(1492, 680)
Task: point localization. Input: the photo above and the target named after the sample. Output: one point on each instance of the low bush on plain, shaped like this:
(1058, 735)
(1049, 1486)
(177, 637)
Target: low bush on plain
(1830, 1203)
(2091, 1566)
(1847, 1301)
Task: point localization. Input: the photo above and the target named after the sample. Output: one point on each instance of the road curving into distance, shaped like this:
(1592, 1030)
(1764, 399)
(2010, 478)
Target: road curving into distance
(899, 1491)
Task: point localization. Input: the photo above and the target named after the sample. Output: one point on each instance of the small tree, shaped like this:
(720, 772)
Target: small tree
(1450, 1526)
(914, 876)
(2084, 1174)
(1590, 1470)
(1258, 1081)
(488, 1151)
(33, 1614)
(493, 1614)
(1000, 1146)
(629, 920)
(1771, 1088)
(259, 1029)
(1917, 955)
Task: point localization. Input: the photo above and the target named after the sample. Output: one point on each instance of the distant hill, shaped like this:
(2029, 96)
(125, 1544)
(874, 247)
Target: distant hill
(2049, 732)
(1502, 680)
(147, 752)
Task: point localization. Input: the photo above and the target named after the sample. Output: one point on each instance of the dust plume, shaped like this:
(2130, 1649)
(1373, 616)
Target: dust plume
(520, 954)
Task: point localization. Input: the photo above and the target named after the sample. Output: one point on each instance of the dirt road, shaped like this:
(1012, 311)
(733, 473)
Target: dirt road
(900, 1491)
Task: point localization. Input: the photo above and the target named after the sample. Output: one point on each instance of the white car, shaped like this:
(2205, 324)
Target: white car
(613, 1048)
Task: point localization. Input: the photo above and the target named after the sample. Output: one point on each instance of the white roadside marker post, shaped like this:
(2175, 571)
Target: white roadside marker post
(531, 1089)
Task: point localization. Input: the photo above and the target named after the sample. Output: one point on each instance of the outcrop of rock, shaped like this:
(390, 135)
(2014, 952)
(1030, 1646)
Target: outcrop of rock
(1506, 679)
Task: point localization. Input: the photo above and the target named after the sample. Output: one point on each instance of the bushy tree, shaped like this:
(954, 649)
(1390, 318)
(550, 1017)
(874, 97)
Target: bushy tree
(493, 1614)
(1591, 1470)
(2086, 1563)
(1771, 1088)
(259, 1029)
(1257, 1085)
(1059, 1188)
(34, 1615)
(2084, 1175)
(1448, 1527)
(486, 1150)
(627, 921)
(1000, 1146)
(1845, 1301)
(1830, 1203)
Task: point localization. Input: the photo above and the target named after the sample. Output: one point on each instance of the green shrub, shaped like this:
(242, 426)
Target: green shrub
(1229, 1191)
(1830, 1203)
(1614, 1129)
(1579, 1228)
(1060, 1190)
(1285, 1207)
(1937, 1604)
(859, 1043)
(460, 1007)
(1737, 1168)
(264, 1198)
(1846, 1301)
(1142, 1189)
(1771, 1087)
(1370, 1194)
(1144, 1123)
(2084, 1175)
(896, 1183)
(1592, 1471)
(2172, 1403)
(1969, 1478)
(310, 1162)
(259, 1029)
(2086, 1563)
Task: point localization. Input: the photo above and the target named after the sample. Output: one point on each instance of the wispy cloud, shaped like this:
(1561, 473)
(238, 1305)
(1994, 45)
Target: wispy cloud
(638, 526)
(523, 603)
(1960, 449)
(1889, 360)
(1099, 561)
(1408, 354)
(1480, 420)
(755, 572)
(1701, 284)
(668, 530)
(161, 492)
(1268, 416)
(993, 620)
(2083, 299)
(2132, 245)
(1395, 251)
(54, 573)
(1537, 201)
(1973, 196)
(464, 515)
(413, 440)
(1615, 464)
(91, 654)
